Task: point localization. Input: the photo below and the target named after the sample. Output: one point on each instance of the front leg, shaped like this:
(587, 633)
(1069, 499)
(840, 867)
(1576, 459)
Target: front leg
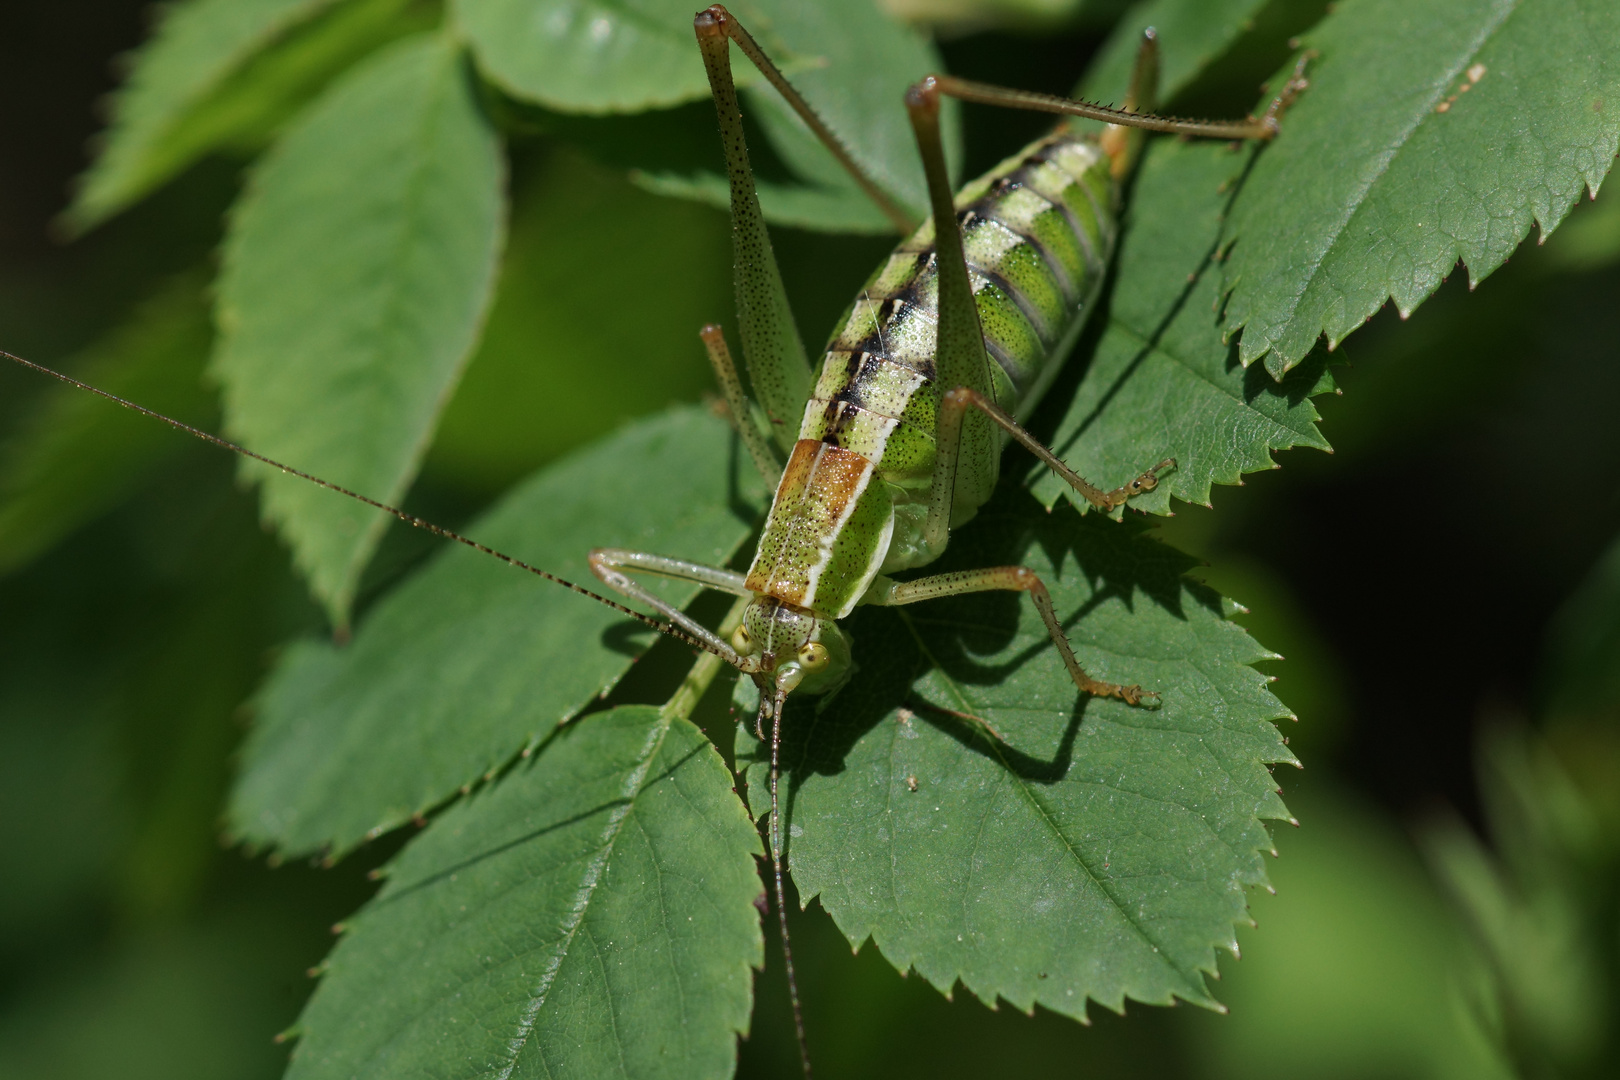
(1011, 579)
(610, 566)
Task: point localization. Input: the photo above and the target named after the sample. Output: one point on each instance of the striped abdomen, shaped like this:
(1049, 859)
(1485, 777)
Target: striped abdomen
(1038, 231)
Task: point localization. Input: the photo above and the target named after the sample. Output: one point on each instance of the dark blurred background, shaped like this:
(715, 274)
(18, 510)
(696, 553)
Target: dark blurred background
(1410, 579)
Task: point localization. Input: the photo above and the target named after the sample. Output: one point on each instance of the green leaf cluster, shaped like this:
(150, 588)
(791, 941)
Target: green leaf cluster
(468, 663)
(419, 209)
(593, 915)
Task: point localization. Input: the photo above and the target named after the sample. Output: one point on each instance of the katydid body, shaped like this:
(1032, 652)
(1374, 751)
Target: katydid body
(948, 347)
(853, 503)
(894, 438)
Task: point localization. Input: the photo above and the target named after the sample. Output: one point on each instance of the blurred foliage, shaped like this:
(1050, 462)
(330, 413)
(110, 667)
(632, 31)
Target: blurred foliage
(1543, 906)
(224, 76)
(72, 460)
(1408, 579)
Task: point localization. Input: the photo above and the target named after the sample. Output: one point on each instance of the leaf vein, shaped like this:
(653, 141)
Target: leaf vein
(587, 891)
(1357, 200)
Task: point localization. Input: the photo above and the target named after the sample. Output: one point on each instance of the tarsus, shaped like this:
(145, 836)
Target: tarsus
(409, 519)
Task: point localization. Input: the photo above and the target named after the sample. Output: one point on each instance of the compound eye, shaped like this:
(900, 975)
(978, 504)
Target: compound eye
(742, 640)
(814, 656)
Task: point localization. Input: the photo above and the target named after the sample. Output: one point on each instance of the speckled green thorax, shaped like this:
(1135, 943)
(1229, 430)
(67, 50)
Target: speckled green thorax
(1037, 230)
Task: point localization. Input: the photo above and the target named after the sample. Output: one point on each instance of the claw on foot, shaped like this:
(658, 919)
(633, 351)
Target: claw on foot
(1130, 695)
(1144, 483)
(1142, 699)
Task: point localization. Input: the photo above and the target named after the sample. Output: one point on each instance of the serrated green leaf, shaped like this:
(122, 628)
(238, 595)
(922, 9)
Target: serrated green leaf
(1089, 851)
(1192, 34)
(196, 47)
(1587, 241)
(1161, 382)
(590, 916)
(357, 274)
(851, 62)
(471, 661)
(597, 56)
(78, 455)
(1431, 133)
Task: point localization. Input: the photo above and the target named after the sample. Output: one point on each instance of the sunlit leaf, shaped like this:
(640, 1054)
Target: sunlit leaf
(471, 661)
(595, 56)
(849, 60)
(591, 916)
(357, 275)
(965, 807)
(1431, 133)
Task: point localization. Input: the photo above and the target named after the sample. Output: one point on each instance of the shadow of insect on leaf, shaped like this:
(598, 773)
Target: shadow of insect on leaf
(971, 733)
(971, 639)
(627, 637)
(1301, 382)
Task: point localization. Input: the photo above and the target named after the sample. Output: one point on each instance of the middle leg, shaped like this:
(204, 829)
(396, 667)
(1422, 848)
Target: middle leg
(1010, 579)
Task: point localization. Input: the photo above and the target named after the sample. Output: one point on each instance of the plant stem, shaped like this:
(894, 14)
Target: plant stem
(703, 671)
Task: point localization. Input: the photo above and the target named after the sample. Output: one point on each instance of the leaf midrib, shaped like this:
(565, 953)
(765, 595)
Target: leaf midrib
(591, 878)
(1157, 346)
(1195, 993)
(384, 327)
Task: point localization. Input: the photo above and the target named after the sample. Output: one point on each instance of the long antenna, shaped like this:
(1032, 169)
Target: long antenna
(780, 699)
(409, 519)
